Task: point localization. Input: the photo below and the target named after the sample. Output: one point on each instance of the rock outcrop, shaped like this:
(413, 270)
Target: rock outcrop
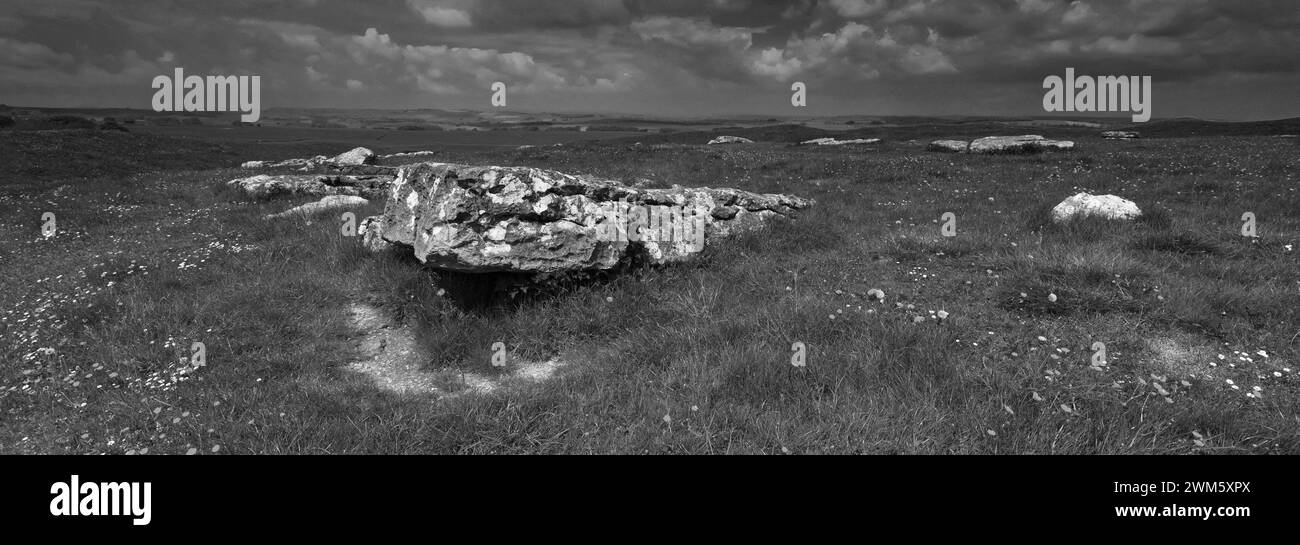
(1028, 143)
(1102, 206)
(480, 219)
(1119, 135)
(330, 202)
(264, 186)
(730, 140)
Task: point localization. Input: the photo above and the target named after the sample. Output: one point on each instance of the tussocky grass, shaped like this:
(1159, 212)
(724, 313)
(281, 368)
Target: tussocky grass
(692, 358)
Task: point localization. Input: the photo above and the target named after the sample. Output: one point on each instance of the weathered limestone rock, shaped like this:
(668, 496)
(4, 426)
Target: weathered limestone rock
(263, 186)
(481, 219)
(371, 230)
(1015, 144)
(730, 140)
(953, 146)
(330, 202)
(1103, 206)
(355, 156)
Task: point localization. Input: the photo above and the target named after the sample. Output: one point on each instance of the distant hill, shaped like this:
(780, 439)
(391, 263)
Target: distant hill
(1188, 126)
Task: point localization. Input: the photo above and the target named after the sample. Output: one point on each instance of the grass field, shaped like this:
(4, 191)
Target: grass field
(151, 254)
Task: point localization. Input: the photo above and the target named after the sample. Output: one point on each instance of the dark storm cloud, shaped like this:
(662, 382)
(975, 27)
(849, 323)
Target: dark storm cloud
(1213, 58)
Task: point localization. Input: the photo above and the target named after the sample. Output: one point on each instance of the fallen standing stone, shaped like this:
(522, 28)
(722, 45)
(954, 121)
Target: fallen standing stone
(730, 140)
(836, 142)
(1018, 144)
(264, 186)
(479, 219)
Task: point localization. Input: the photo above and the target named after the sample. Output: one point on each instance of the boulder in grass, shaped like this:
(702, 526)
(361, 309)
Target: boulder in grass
(1119, 135)
(486, 219)
(951, 146)
(1029, 143)
(1085, 205)
(730, 140)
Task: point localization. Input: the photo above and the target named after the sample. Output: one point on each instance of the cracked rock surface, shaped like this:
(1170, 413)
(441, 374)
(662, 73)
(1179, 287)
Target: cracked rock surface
(482, 219)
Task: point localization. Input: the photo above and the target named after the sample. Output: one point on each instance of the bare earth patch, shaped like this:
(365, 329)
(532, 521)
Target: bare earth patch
(1180, 356)
(394, 361)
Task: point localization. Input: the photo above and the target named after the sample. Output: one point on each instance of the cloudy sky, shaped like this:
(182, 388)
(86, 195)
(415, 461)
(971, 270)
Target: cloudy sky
(1227, 59)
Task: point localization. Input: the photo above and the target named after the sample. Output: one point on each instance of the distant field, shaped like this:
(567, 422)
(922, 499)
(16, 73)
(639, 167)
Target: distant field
(152, 254)
(383, 141)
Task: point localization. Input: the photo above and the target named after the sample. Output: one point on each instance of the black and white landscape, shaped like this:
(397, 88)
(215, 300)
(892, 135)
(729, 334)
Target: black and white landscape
(640, 226)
